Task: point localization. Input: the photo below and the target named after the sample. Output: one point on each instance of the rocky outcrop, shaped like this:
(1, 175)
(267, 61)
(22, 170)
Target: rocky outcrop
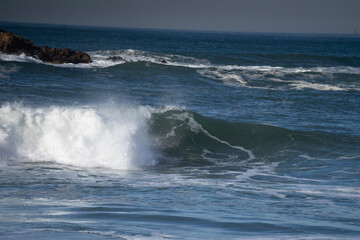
(11, 43)
(119, 58)
(116, 58)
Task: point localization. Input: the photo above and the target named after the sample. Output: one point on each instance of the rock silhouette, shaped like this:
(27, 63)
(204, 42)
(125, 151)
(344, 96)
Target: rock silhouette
(11, 43)
(115, 58)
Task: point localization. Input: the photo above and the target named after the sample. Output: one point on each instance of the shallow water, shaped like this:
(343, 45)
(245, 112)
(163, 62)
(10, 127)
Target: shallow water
(232, 136)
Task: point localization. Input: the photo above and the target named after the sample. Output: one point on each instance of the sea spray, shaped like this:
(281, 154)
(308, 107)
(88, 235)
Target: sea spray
(81, 136)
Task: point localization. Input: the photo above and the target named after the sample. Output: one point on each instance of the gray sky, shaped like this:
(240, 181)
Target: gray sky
(294, 16)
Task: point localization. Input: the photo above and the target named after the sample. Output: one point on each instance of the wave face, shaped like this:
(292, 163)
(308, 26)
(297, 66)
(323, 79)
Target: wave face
(115, 138)
(136, 137)
(198, 140)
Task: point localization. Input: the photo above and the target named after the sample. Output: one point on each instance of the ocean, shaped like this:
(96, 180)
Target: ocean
(189, 135)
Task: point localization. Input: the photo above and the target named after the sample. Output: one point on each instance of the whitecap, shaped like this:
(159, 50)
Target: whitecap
(101, 60)
(300, 85)
(114, 138)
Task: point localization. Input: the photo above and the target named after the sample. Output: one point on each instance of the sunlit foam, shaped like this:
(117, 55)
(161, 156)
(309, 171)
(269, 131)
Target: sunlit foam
(81, 136)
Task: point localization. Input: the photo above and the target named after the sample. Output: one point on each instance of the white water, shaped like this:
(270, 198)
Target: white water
(235, 75)
(100, 60)
(81, 136)
(249, 80)
(299, 85)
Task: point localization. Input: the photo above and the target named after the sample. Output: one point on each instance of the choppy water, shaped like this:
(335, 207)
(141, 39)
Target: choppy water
(232, 136)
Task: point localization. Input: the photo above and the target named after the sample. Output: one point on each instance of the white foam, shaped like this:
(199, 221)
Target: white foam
(249, 80)
(299, 85)
(228, 77)
(172, 131)
(277, 69)
(191, 62)
(18, 58)
(334, 192)
(233, 78)
(81, 136)
(298, 237)
(306, 157)
(234, 75)
(100, 60)
(131, 55)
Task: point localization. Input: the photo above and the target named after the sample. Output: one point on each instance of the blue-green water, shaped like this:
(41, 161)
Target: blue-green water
(232, 136)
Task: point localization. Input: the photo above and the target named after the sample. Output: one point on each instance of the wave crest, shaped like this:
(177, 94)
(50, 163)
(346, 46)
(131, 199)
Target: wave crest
(101, 60)
(86, 137)
(136, 137)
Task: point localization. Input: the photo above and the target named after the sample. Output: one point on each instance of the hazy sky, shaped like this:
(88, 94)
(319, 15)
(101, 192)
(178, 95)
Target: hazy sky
(295, 16)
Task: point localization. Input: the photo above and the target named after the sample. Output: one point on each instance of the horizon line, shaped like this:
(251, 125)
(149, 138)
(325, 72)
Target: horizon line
(355, 34)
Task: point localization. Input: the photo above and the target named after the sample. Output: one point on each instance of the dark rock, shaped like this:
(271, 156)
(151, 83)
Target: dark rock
(14, 44)
(65, 55)
(116, 58)
(163, 61)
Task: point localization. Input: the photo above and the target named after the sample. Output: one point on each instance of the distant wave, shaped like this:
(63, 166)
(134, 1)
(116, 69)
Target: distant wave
(236, 75)
(100, 59)
(263, 80)
(131, 55)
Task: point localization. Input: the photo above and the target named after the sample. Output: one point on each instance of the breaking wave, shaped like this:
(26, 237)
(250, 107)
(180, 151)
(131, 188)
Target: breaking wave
(111, 137)
(257, 77)
(277, 80)
(124, 137)
(82, 136)
(101, 60)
